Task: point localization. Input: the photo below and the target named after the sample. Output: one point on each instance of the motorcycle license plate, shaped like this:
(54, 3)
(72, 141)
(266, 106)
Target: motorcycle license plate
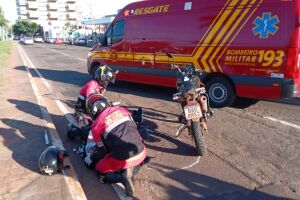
(192, 111)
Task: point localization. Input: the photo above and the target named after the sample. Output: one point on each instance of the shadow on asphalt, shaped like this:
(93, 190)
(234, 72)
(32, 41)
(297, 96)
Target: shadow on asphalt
(242, 103)
(176, 146)
(152, 113)
(66, 76)
(24, 140)
(79, 79)
(148, 91)
(295, 101)
(181, 147)
(149, 113)
(26, 107)
(21, 144)
(155, 92)
(28, 145)
(199, 186)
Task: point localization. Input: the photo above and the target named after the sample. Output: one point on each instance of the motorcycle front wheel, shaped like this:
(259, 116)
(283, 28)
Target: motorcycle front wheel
(198, 138)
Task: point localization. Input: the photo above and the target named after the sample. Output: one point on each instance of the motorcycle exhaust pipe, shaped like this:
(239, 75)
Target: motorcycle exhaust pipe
(203, 103)
(176, 96)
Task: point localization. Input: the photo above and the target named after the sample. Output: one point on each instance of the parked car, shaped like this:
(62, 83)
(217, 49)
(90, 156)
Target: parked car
(27, 40)
(80, 41)
(50, 40)
(90, 43)
(58, 41)
(38, 39)
(16, 37)
(22, 38)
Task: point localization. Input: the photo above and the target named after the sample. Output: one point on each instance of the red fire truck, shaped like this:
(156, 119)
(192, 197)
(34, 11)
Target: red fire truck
(249, 48)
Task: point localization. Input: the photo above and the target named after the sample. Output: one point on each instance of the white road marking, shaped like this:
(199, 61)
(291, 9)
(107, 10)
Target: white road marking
(83, 60)
(182, 168)
(38, 73)
(59, 104)
(59, 52)
(283, 122)
(74, 186)
(70, 118)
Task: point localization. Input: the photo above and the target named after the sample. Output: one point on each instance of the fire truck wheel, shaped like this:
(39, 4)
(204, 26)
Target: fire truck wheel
(221, 92)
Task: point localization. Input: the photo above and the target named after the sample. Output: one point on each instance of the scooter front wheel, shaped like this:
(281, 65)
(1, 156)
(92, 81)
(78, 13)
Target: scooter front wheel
(71, 132)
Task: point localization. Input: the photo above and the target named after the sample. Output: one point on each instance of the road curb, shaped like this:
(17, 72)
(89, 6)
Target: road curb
(70, 175)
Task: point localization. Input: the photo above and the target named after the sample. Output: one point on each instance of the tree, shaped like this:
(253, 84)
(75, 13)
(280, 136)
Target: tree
(25, 27)
(69, 27)
(32, 28)
(3, 25)
(3, 21)
(19, 27)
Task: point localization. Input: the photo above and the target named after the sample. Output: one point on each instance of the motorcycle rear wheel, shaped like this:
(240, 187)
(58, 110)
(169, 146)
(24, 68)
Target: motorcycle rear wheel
(198, 138)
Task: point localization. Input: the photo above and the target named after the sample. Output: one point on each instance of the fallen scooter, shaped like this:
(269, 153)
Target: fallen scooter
(84, 122)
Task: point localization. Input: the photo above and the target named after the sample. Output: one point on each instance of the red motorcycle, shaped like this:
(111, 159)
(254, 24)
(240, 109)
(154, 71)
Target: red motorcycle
(194, 102)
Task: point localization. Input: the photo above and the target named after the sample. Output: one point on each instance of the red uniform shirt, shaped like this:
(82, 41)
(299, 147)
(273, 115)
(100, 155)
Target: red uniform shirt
(109, 119)
(116, 129)
(92, 87)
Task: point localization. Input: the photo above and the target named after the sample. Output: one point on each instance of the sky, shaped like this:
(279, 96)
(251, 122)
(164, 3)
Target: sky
(97, 8)
(9, 9)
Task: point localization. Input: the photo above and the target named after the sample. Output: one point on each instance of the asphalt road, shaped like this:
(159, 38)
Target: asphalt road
(250, 156)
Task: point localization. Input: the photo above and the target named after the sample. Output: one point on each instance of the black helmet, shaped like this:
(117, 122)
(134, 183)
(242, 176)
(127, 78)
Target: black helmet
(95, 104)
(51, 161)
(104, 74)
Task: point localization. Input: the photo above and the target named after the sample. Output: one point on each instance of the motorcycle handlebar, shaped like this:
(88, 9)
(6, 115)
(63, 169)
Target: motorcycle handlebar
(174, 65)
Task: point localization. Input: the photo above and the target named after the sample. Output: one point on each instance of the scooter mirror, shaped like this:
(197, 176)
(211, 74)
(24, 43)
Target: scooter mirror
(169, 55)
(116, 103)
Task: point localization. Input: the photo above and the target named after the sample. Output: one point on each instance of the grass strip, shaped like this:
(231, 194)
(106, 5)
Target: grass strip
(5, 48)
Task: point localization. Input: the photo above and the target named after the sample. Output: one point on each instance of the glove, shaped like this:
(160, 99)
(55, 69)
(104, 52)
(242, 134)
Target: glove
(87, 160)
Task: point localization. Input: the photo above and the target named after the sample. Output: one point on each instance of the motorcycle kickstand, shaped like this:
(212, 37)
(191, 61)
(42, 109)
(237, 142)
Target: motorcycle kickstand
(180, 130)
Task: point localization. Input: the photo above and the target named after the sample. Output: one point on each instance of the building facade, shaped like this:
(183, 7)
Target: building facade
(53, 15)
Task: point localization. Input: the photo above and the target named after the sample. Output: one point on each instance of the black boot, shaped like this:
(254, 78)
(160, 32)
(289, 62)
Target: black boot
(111, 178)
(127, 181)
(125, 177)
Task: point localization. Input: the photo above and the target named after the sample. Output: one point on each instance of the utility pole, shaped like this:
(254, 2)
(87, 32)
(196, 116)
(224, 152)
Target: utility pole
(92, 20)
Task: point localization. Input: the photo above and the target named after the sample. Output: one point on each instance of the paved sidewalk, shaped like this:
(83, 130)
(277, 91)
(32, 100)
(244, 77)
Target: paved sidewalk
(22, 140)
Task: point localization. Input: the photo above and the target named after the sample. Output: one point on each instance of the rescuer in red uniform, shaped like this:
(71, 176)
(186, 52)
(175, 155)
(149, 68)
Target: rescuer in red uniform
(119, 146)
(103, 75)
